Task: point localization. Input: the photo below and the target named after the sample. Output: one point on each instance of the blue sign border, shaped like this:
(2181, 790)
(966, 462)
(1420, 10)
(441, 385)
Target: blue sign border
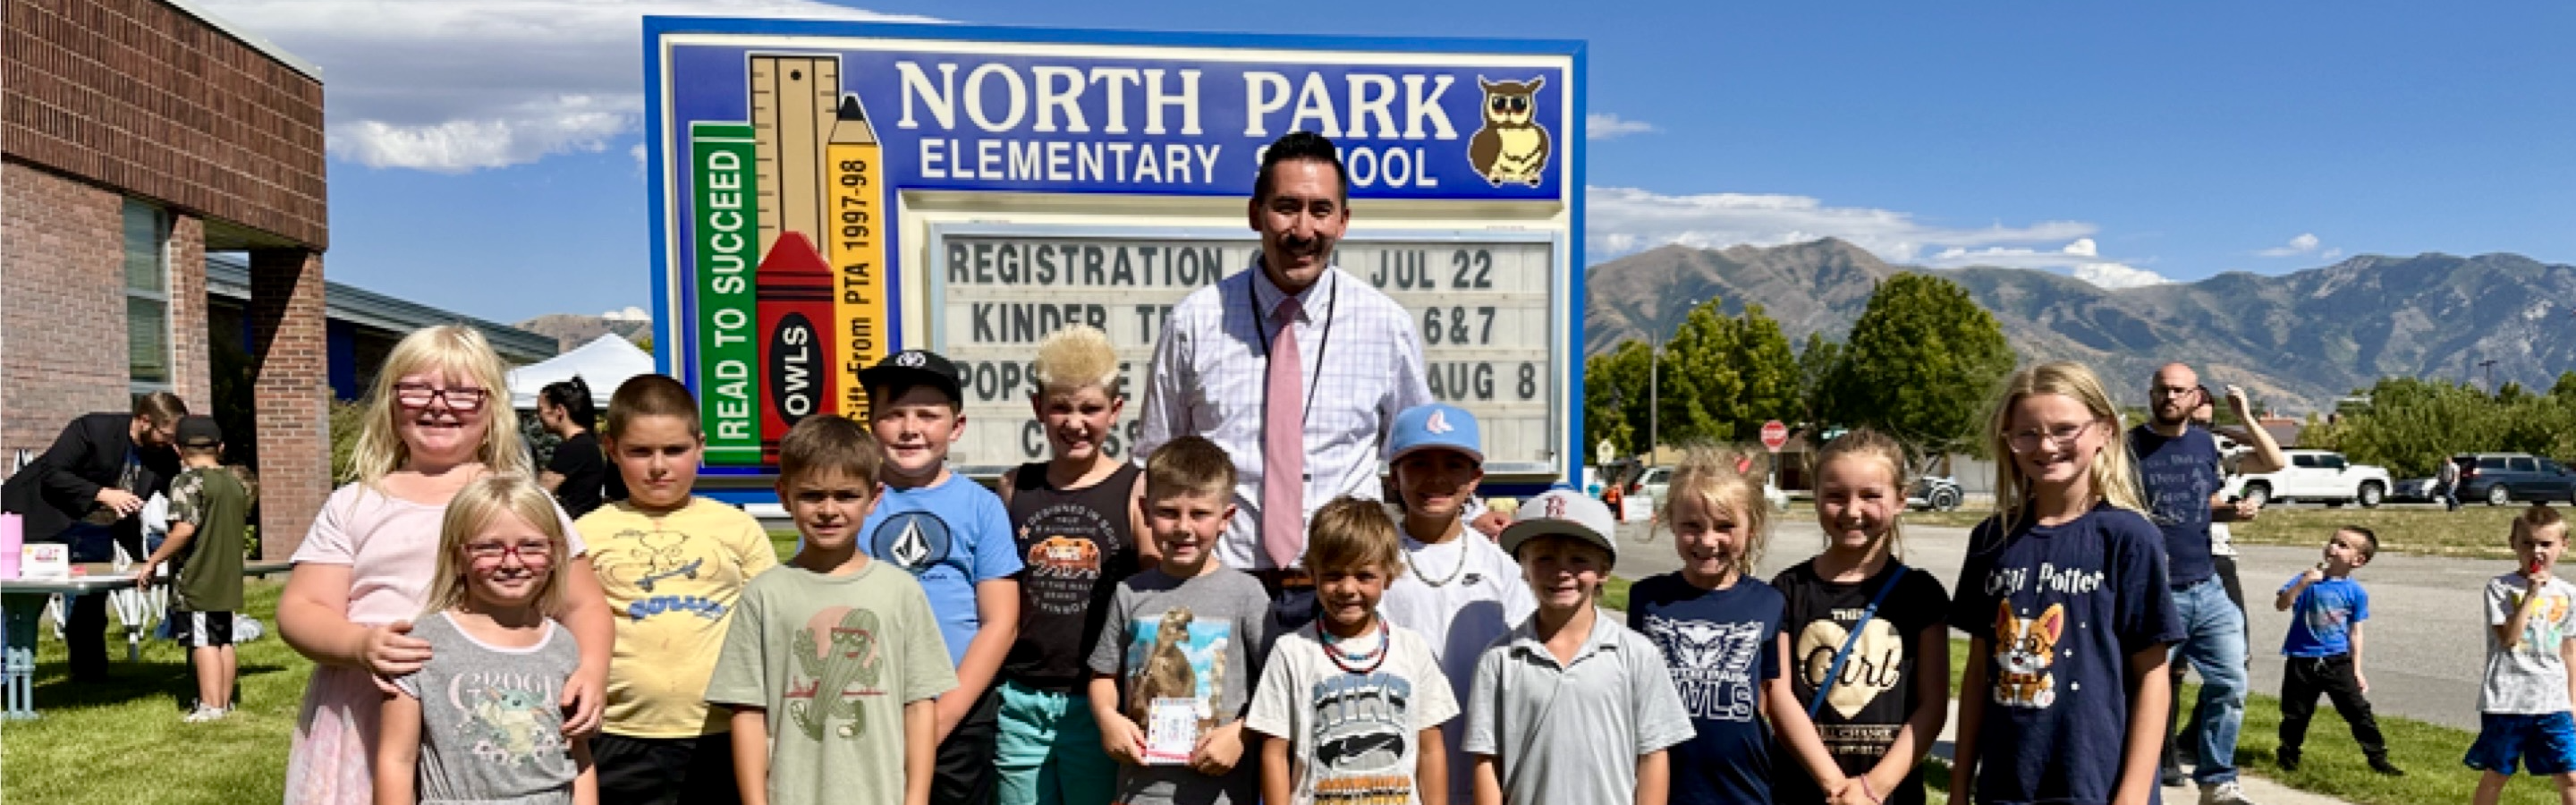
(657, 159)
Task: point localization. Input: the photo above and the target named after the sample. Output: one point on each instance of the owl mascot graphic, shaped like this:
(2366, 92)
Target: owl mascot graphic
(1511, 147)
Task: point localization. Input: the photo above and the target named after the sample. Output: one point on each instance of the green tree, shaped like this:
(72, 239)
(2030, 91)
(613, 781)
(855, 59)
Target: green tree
(1817, 363)
(2412, 424)
(1770, 372)
(2566, 387)
(1701, 389)
(1921, 363)
(644, 341)
(1614, 397)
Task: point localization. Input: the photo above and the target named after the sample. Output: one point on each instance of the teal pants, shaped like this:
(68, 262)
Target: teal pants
(1050, 751)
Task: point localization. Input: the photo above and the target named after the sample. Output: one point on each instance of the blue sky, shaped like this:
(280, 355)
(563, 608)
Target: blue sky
(483, 150)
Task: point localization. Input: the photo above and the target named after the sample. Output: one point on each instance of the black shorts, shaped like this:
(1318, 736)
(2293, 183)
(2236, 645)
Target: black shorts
(964, 773)
(201, 629)
(665, 771)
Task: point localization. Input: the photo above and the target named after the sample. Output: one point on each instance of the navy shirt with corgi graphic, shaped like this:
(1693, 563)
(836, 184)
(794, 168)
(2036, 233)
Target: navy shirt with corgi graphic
(2062, 607)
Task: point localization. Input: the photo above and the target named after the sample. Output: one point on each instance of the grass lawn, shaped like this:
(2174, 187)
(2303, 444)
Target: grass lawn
(2475, 531)
(122, 742)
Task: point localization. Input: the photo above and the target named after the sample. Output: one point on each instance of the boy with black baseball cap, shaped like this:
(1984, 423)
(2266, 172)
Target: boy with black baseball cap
(207, 508)
(955, 537)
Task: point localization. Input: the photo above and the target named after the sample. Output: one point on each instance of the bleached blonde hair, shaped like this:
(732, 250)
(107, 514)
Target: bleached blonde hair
(2115, 477)
(475, 507)
(459, 352)
(1075, 357)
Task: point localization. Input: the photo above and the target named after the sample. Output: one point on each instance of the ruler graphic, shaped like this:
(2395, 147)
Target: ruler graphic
(792, 102)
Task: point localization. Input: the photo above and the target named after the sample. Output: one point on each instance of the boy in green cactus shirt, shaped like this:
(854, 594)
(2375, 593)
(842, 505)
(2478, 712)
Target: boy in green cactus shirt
(833, 660)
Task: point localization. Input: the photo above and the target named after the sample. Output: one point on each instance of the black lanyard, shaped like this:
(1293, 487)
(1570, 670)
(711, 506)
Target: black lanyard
(1261, 329)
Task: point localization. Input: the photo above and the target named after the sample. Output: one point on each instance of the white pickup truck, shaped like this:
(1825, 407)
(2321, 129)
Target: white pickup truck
(2320, 476)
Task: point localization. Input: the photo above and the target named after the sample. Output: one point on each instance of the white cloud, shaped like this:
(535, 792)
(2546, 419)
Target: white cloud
(1609, 125)
(1624, 220)
(2306, 242)
(462, 85)
(2115, 276)
(2081, 259)
(631, 313)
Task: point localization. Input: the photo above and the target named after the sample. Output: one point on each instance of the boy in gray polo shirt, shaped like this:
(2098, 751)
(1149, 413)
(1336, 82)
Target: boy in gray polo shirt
(1571, 706)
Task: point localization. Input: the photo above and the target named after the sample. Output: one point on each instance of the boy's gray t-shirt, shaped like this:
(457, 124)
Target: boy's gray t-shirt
(1200, 638)
(1572, 732)
(491, 724)
(2530, 679)
(833, 660)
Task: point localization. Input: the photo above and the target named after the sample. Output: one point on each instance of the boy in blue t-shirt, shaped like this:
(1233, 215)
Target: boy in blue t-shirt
(2324, 648)
(955, 536)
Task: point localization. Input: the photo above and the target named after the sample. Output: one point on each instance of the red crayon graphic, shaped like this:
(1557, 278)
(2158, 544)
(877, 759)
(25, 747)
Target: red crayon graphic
(794, 296)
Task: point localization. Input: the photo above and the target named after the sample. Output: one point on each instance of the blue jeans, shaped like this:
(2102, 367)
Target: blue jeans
(2214, 642)
(1049, 752)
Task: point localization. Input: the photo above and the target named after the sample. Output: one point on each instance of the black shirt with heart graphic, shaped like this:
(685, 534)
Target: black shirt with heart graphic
(1864, 710)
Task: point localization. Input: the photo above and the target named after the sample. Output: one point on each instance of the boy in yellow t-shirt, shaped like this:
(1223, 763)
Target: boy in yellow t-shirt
(672, 565)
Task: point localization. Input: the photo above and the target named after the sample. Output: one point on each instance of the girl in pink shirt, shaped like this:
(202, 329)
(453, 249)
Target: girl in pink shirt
(438, 417)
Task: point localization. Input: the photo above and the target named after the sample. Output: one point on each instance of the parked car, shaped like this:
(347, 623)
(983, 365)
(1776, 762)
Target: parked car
(1653, 482)
(2412, 490)
(2501, 478)
(1935, 493)
(2320, 476)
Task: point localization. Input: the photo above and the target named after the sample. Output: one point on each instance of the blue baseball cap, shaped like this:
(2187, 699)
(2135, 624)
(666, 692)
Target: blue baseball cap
(1439, 425)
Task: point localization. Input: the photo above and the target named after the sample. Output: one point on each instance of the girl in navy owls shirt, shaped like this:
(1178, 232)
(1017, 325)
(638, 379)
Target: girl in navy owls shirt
(2064, 595)
(1719, 630)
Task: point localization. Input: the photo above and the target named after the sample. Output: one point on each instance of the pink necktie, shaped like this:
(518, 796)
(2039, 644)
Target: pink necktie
(1283, 445)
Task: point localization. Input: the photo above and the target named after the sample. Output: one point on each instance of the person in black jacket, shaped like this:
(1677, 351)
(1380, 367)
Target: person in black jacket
(87, 490)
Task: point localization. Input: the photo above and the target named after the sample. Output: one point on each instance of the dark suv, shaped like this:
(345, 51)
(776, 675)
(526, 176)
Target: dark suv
(2501, 478)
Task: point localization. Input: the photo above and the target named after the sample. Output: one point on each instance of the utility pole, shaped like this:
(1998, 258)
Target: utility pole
(1654, 392)
(2489, 365)
(1654, 385)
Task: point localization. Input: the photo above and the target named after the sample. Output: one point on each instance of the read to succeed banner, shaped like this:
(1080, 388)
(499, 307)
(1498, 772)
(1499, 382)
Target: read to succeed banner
(781, 151)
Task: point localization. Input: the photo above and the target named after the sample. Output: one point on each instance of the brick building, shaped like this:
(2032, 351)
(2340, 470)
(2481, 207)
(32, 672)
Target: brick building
(136, 136)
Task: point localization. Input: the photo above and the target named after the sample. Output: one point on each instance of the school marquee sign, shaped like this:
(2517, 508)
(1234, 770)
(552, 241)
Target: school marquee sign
(826, 193)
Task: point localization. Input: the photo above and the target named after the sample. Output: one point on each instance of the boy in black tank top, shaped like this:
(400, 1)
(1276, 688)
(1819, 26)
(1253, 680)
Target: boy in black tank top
(1078, 521)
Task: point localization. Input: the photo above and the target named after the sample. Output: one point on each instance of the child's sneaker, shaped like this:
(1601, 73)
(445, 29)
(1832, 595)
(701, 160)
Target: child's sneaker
(2381, 765)
(2225, 793)
(205, 714)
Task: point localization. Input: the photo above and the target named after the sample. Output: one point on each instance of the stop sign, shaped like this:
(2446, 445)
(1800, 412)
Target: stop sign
(1774, 434)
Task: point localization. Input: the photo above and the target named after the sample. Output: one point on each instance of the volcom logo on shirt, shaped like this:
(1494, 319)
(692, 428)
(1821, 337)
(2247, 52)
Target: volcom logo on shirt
(915, 541)
(1711, 664)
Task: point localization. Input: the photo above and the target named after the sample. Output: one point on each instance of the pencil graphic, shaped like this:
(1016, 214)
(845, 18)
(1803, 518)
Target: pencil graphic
(795, 299)
(855, 162)
(791, 112)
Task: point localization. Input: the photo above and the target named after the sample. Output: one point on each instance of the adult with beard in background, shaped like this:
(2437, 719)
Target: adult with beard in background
(1295, 367)
(87, 490)
(2178, 466)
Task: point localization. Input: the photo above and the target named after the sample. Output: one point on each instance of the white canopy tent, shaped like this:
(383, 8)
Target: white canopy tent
(605, 363)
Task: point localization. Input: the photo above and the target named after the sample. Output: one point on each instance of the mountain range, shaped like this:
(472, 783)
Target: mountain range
(572, 330)
(2295, 341)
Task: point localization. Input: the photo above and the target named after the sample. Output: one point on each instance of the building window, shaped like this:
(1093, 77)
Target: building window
(147, 296)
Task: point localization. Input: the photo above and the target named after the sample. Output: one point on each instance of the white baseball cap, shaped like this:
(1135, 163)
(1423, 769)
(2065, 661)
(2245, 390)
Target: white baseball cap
(1562, 512)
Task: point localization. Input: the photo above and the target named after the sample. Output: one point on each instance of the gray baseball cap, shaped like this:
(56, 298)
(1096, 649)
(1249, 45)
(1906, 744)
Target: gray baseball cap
(1562, 512)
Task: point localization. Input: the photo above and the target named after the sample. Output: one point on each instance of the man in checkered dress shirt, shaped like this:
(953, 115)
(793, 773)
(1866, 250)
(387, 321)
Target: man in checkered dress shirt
(1360, 353)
